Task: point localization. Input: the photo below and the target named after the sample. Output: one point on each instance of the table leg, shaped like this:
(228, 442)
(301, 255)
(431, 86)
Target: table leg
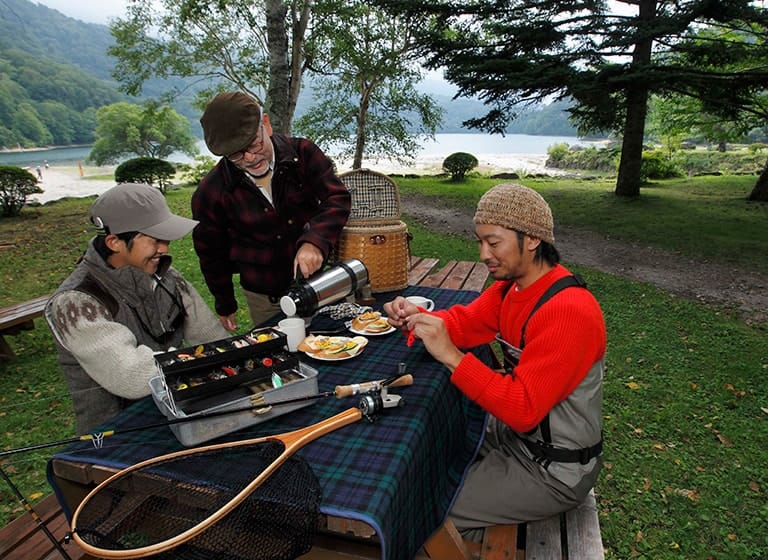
(446, 544)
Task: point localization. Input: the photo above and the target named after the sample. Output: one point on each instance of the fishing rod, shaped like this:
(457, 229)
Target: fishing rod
(257, 403)
(23, 501)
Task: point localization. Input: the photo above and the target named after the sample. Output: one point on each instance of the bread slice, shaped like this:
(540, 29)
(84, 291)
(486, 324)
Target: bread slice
(332, 347)
(371, 319)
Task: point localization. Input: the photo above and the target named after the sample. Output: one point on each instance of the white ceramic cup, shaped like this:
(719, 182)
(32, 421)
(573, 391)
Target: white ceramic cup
(426, 303)
(295, 331)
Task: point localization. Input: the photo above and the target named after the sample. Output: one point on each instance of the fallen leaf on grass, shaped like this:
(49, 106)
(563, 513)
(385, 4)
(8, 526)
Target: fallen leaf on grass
(36, 495)
(692, 495)
(754, 486)
(633, 385)
(725, 441)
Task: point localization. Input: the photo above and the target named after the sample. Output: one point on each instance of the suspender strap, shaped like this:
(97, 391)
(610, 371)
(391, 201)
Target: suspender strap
(573, 280)
(564, 282)
(541, 450)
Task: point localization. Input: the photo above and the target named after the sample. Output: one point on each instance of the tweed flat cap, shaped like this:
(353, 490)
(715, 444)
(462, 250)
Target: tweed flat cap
(230, 122)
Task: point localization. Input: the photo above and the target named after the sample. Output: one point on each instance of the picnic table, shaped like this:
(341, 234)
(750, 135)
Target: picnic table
(17, 318)
(575, 534)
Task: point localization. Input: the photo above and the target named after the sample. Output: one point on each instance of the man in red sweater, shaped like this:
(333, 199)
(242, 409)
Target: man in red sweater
(542, 450)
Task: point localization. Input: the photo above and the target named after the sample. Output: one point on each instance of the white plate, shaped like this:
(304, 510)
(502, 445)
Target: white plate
(324, 359)
(368, 333)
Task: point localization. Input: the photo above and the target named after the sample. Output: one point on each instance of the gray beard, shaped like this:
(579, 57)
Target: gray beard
(269, 170)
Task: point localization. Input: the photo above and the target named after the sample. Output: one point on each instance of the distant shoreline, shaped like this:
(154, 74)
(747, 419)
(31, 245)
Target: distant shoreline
(5, 150)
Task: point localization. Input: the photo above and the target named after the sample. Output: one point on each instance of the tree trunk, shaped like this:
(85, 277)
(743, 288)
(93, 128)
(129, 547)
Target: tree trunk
(362, 116)
(279, 77)
(760, 192)
(300, 22)
(628, 180)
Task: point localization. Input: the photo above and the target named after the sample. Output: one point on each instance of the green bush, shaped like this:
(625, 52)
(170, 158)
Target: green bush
(557, 153)
(576, 157)
(16, 184)
(152, 171)
(192, 173)
(458, 164)
(707, 162)
(656, 165)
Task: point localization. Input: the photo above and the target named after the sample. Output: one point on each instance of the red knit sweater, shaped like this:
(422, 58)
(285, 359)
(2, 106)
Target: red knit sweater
(563, 339)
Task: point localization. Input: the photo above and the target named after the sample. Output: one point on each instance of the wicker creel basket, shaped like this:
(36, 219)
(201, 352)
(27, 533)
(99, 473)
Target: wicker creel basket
(385, 251)
(375, 198)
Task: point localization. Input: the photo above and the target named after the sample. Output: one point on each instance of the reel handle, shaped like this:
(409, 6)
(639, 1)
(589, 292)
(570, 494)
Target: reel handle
(342, 391)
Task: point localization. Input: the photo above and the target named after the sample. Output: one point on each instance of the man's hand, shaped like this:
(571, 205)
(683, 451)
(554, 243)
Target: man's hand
(228, 322)
(309, 259)
(431, 330)
(398, 310)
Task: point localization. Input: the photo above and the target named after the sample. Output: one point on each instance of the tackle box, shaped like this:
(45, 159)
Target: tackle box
(219, 366)
(296, 380)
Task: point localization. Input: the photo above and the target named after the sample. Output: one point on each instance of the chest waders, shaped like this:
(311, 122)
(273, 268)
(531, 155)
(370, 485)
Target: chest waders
(543, 451)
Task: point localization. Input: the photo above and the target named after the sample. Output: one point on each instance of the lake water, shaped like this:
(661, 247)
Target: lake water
(443, 145)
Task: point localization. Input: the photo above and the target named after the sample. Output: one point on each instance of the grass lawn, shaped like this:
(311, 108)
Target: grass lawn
(685, 402)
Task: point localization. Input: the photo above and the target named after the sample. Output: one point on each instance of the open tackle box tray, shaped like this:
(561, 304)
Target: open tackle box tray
(218, 366)
(296, 380)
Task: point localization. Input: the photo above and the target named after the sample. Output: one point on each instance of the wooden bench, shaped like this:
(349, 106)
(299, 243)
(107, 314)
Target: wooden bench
(23, 539)
(17, 318)
(574, 535)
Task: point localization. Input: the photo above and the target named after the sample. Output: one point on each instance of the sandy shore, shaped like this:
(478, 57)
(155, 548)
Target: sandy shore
(65, 181)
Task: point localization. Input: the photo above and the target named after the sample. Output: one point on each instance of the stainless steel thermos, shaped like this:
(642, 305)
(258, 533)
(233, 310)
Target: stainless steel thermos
(329, 286)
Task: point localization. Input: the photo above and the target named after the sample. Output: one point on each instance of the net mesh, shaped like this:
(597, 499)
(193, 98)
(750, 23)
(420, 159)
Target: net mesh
(277, 521)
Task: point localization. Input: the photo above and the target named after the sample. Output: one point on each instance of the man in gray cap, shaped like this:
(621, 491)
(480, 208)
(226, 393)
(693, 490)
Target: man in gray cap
(124, 303)
(272, 207)
(542, 449)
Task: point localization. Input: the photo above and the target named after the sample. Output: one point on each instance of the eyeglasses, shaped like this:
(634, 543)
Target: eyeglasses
(253, 148)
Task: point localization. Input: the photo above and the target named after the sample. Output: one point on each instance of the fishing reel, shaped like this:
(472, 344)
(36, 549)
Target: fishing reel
(377, 399)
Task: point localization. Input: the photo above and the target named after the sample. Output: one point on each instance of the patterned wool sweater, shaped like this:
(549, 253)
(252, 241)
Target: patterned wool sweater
(106, 343)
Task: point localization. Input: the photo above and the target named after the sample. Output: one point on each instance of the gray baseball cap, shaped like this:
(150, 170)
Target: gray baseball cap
(139, 207)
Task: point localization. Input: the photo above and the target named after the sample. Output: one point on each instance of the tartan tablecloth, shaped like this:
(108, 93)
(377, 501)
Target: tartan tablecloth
(399, 474)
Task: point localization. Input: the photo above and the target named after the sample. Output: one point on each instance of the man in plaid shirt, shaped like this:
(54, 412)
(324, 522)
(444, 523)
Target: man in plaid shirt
(272, 207)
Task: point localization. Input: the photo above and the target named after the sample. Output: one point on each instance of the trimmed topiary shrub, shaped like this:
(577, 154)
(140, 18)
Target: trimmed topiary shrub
(16, 184)
(152, 171)
(458, 164)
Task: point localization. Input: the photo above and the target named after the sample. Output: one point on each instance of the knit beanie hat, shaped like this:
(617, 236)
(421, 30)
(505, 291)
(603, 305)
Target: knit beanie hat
(230, 122)
(518, 208)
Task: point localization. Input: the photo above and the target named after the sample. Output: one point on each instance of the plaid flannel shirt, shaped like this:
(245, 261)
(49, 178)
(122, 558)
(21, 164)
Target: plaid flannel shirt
(240, 232)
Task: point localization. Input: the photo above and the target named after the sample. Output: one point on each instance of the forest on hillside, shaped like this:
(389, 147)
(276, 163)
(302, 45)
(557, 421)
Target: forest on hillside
(43, 102)
(55, 73)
